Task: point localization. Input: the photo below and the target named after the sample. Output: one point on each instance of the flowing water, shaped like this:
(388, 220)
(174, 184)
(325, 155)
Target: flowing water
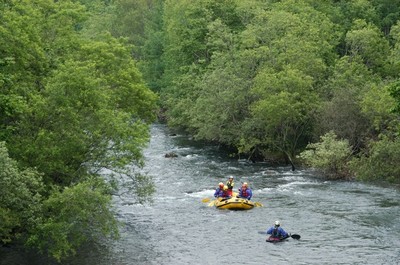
(339, 222)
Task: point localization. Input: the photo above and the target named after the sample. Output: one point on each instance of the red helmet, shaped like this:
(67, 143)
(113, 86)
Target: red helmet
(221, 185)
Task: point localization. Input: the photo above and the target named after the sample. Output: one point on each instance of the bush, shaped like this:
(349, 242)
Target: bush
(330, 156)
(380, 162)
(20, 199)
(74, 216)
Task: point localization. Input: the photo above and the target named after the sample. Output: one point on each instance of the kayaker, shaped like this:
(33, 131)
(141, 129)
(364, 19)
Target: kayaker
(230, 185)
(245, 192)
(277, 231)
(220, 190)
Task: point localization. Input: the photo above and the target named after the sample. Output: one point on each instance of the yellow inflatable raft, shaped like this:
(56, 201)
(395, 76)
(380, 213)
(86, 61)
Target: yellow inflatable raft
(234, 204)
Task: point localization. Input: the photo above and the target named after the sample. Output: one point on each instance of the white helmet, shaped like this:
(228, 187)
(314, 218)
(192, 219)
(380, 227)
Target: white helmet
(277, 223)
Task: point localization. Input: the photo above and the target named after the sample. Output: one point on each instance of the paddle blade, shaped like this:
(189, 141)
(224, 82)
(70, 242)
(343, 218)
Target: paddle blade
(258, 204)
(295, 236)
(205, 200)
(212, 203)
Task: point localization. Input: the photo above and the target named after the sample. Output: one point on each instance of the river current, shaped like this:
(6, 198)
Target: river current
(339, 222)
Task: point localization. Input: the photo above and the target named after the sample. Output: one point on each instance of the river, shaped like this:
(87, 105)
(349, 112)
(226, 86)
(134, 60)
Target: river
(339, 222)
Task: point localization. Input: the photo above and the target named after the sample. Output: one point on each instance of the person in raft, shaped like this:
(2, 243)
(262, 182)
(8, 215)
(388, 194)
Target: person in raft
(230, 185)
(277, 231)
(245, 192)
(225, 193)
(219, 191)
(222, 191)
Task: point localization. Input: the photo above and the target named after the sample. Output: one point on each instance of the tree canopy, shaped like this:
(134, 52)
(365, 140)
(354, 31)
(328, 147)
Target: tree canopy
(270, 77)
(72, 103)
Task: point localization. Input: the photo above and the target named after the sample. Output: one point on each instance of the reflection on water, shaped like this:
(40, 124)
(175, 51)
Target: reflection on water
(339, 222)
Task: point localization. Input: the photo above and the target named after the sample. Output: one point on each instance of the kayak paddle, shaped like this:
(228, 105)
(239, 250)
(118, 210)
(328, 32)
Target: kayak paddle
(295, 236)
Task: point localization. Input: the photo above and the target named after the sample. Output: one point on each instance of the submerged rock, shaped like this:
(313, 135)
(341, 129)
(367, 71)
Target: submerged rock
(170, 155)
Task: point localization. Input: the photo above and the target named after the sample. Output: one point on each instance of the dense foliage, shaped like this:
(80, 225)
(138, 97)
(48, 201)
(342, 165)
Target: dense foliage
(329, 155)
(72, 103)
(270, 77)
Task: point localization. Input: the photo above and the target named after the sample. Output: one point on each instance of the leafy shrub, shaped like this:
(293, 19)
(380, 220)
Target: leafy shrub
(20, 199)
(74, 216)
(380, 162)
(330, 156)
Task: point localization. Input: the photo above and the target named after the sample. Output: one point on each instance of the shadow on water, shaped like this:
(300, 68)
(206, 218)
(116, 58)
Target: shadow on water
(87, 254)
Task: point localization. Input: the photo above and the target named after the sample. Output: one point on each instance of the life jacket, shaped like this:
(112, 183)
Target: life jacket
(243, 193)
(219, 192)
(276, 233)
(230, 185)
(225, 193)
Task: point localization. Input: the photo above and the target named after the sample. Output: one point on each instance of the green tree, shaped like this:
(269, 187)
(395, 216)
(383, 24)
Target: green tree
(282, 117)
(151, 63)
(380, 162)
(292, 63)
(367, 42)
(221, 106)
(353, 10)
(394, 59)
(185, 28)
(344, 93)
(94, 112)
(20, 198)
(388, 12)
(188, 29)
(22, 60)
(79, 214)
(302, 38)
(34, 36)
(377, 105)
(71, 103)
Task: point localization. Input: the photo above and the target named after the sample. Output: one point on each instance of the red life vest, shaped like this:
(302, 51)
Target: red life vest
(243, 192)
(225, 193)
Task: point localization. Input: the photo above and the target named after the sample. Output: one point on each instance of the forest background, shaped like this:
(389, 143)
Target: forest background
(302, 82)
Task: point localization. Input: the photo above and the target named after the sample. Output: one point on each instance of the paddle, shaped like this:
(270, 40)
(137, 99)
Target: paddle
(208, 199)
(295, 236)
(205, 200)
(212, 203)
